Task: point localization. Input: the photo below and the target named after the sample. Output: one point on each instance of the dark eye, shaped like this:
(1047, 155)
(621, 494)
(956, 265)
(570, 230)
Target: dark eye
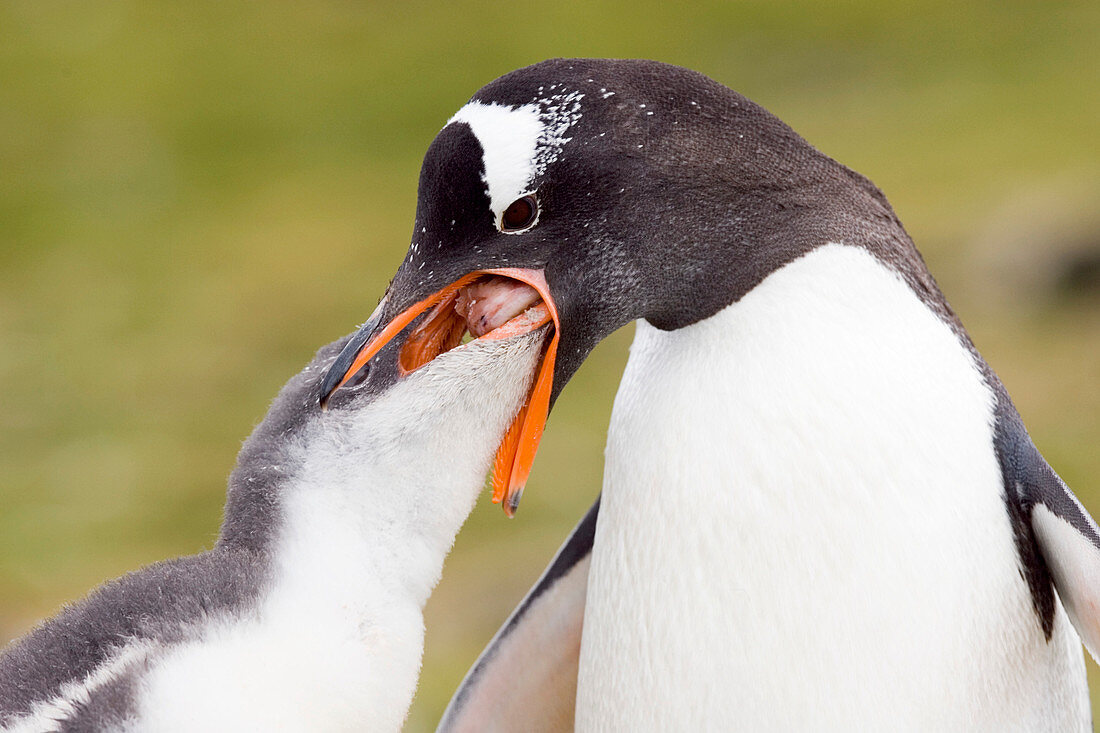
(520, 214)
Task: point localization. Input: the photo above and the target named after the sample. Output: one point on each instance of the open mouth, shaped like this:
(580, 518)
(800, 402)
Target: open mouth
(487, 304)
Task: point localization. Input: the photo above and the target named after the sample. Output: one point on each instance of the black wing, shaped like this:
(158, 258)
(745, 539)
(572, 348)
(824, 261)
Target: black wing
(1057, 540)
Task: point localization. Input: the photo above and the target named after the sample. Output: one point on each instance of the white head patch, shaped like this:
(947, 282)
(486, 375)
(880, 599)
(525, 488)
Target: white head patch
(518, 143)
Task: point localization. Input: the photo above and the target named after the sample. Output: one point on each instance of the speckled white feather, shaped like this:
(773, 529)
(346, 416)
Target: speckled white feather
(519, 142)
(802, 527)
(336, 642)
(509, 139)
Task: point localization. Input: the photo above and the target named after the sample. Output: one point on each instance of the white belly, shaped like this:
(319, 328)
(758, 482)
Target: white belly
(803, 528)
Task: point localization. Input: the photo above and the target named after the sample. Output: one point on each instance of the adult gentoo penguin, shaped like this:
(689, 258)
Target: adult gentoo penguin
(820, 508)
(306, 615)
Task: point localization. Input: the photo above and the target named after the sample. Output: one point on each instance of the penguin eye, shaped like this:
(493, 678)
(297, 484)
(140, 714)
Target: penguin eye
(520, 214)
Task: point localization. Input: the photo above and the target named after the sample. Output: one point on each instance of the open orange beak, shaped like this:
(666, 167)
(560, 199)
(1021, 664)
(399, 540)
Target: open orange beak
(443, 329)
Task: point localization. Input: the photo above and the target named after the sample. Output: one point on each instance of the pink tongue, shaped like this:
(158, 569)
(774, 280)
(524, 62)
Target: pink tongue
(490, 303)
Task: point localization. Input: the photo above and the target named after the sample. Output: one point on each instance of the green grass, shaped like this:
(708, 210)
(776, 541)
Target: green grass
(194, 196)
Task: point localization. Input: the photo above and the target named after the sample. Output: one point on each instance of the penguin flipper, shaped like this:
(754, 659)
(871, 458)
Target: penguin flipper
(526, 679)
(1066, 537)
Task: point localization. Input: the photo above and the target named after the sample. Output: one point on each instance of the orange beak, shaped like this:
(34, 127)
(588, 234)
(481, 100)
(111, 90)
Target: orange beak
(443, 329)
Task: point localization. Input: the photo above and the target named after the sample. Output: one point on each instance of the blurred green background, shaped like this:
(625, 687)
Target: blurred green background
(194, 196)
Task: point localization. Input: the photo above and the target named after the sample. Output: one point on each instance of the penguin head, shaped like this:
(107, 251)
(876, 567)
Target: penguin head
(616, 190)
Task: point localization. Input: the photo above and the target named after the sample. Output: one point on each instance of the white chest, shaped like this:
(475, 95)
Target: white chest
(294, 668)
(803, 526)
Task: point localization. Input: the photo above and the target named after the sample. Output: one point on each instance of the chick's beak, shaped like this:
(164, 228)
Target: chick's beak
(479, 302)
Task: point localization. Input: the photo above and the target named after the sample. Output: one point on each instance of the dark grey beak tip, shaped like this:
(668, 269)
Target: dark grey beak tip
(346, 358)
(513, 503)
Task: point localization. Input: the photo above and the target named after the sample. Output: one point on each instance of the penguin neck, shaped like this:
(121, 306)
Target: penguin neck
(358, 526)
(761, 227)
(363, 502)
(348, 508)
(356, 545)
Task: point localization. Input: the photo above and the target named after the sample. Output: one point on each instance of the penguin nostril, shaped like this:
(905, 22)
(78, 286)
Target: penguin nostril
(520, 214)
(359, 377)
